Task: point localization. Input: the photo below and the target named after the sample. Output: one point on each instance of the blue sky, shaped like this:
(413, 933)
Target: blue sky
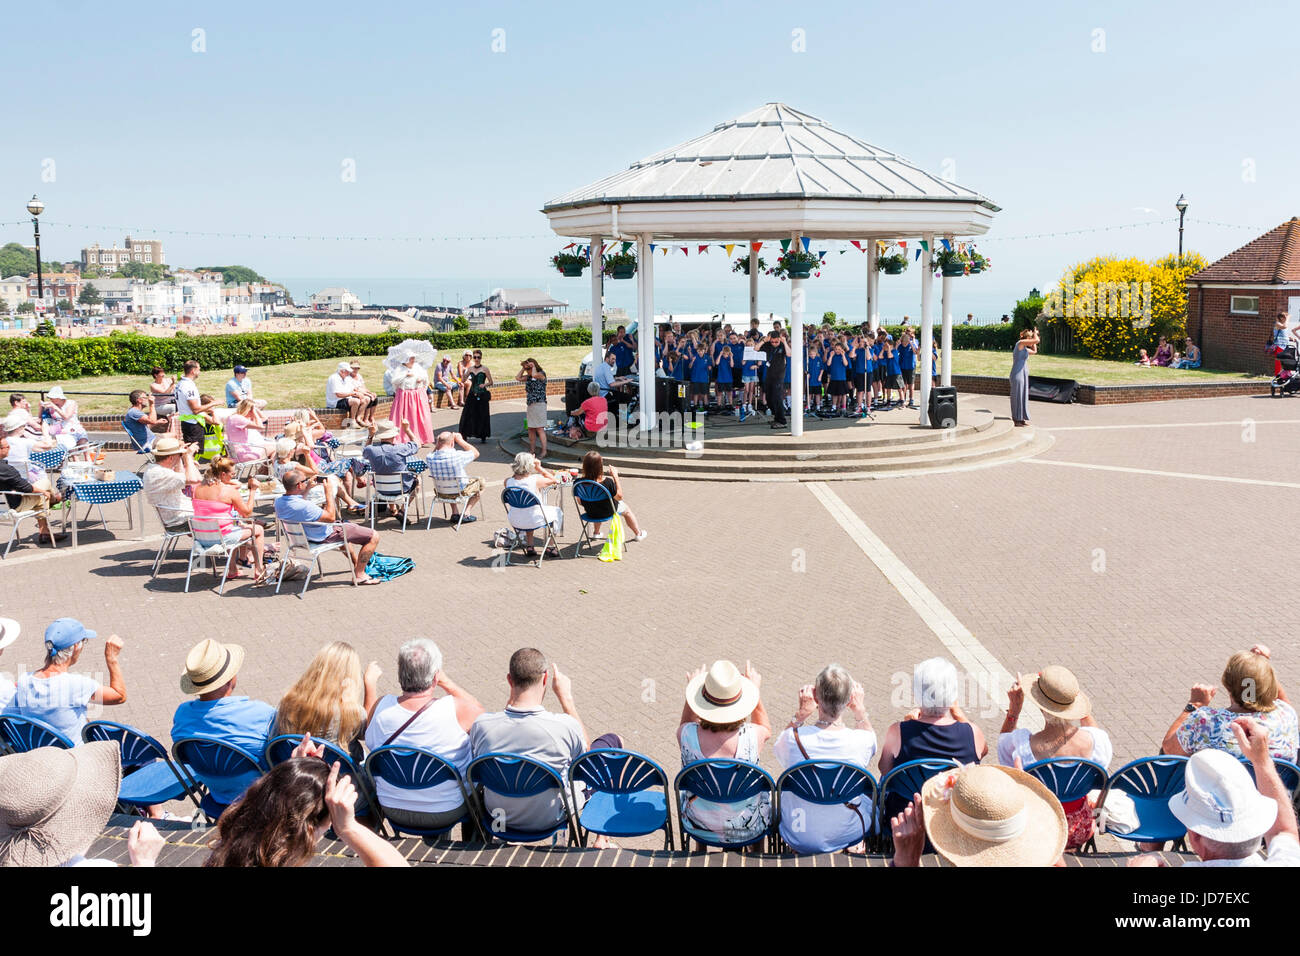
(450, 138)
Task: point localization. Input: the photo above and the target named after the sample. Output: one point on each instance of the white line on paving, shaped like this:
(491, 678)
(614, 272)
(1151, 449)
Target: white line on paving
(1236, 422)
(993, 678)
(1165, 474)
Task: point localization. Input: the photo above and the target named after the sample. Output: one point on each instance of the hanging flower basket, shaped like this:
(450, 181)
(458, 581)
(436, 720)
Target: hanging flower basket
(741, 265)
(979, 263)
(621, 265)
(893, 265)
(570, 265)
(795, 264)
(951, 263)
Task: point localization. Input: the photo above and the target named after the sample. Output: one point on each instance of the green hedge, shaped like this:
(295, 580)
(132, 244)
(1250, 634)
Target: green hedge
(37, 360)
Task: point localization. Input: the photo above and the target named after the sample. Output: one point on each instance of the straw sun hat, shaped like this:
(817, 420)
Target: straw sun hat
(722, 694)
(1056, 691)
(54, 802)
(993, 816)
(209, 665)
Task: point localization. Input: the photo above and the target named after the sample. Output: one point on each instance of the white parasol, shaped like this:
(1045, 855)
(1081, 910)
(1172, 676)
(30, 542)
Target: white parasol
(425, 354)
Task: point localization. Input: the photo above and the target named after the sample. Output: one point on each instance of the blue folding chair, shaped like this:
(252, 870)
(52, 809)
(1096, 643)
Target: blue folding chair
(21, 734)
(412, 768)
(1071, 779)
(520, 778)
(725, 782)
(214, 761)
(1150, 782)
(149, 775)
(514, 497)
(903, 781)
(1288, 771)
(620, 797)
(280, 748)
(827, 783)
(586, 493)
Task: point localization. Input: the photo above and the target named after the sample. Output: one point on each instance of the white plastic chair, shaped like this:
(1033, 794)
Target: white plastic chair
(210, 544)
(171, 533)
(389, 490)
(295, 535)
(15, 518)
(450, 493)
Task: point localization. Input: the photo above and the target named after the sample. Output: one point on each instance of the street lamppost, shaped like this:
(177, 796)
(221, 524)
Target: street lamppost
(1181, 206)
(36, 207)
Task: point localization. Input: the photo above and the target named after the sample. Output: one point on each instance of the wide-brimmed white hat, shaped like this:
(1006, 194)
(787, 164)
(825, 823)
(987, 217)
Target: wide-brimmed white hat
(9, 631)
(55, 392)
(385, 431)
(993, 816)
(55, 802)
(1220, 801)
(722, 694)
(17, 419)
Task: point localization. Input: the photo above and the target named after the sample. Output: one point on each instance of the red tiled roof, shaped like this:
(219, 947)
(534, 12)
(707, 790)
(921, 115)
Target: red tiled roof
(1273, 257)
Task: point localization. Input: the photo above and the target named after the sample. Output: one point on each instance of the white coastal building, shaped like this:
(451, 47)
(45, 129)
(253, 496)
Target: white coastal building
(14, 291)
(335, 299)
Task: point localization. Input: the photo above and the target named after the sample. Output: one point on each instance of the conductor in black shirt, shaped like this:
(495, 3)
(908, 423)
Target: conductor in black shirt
(777, 349)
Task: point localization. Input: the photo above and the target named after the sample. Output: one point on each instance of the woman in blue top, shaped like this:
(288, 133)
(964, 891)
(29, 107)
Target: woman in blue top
(59, 697)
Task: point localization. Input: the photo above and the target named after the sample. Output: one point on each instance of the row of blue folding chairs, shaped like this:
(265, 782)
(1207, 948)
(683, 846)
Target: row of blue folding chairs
(627, 794)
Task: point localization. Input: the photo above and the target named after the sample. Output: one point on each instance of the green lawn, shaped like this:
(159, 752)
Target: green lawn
(303, 383)
(297, 385)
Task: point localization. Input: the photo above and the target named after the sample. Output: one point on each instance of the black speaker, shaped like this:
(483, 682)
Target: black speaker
(670, 396)
(1059, 390)
(575, 393)
(943, 406)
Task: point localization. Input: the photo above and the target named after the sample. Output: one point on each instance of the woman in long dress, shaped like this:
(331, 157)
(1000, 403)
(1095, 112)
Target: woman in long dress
(1028, 345)
(476, 415)
(410, 381)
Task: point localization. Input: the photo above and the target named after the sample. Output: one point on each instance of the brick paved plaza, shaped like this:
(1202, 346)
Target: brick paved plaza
(1142, 580)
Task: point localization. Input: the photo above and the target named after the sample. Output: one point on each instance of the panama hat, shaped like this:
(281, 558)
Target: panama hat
(1220, 801)
(55, 802)
(993, 816)
(385, 431)
(55, 392)
(9, 631)
(17, 419)
(1056, 691)
(166, 446)
(722, 694)
(209, 665)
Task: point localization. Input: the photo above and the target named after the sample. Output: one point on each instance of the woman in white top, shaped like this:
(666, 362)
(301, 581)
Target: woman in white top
(529, 474)
(1068, 731)
(820, 828)
(63, 414)
(415, 718)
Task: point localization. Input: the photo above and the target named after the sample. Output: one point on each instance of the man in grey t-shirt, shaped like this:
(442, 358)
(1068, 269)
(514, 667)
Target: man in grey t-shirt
(528, 729)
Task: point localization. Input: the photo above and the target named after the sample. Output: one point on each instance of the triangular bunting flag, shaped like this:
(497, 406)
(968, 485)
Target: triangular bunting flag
(925, 245)
(856, 245)
(570, 245)
(946, 245)
(755, 246)
(684, 251)
(918, 254)
(903, 246)
(729, 246)
(627, 246)
(785, 245)
(665, 250)
(701, 250)
(806, 243)
(821, 254)
(652, 248)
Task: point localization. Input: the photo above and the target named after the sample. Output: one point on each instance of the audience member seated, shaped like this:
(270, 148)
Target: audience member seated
(55, 803)
(388, 457)
(293, 506)
(59, 697)
(1164, 353)
(140, 419)
(528, 473)
(240, 389)
(1143, 358)
(935, 727)
(62, 414)
(446, 463)
(595, 469)
(211, 670)
(445, 381)
(332, 699)
(22, 494)
(218, 496)
(9, 631)
(1226, 814)
(165, 481)
(982, 816)
(724, 717)
(1193, 357)
(1068, 731)
(526, 728)
(418, 718)
(290, 454)
(825, 829)
(595, 410)
(313, 428)
(26, 435)
(245, 433)
(1254, 691)
(283, 815)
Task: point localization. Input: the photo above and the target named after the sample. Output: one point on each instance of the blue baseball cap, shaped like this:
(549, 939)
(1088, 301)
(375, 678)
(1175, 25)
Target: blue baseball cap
(65, 632)
(239, 370)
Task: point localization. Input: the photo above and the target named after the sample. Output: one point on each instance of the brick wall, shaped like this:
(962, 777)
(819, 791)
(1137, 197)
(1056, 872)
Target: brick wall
(1117, 394)
(1234, 342)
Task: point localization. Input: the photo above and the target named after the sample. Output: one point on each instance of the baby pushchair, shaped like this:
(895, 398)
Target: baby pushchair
(1288, 381)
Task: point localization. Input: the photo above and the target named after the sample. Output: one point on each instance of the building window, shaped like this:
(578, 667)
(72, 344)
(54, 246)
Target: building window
(1244, 305)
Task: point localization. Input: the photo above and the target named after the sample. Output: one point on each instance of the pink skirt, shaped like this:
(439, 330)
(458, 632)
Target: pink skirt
(412, 405)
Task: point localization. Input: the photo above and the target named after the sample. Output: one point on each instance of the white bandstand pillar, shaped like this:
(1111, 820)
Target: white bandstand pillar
(927, 328)
(796, 351)
(945, 360)
(645, 340)
(753, 280)
(873, 287)
(595, 263)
